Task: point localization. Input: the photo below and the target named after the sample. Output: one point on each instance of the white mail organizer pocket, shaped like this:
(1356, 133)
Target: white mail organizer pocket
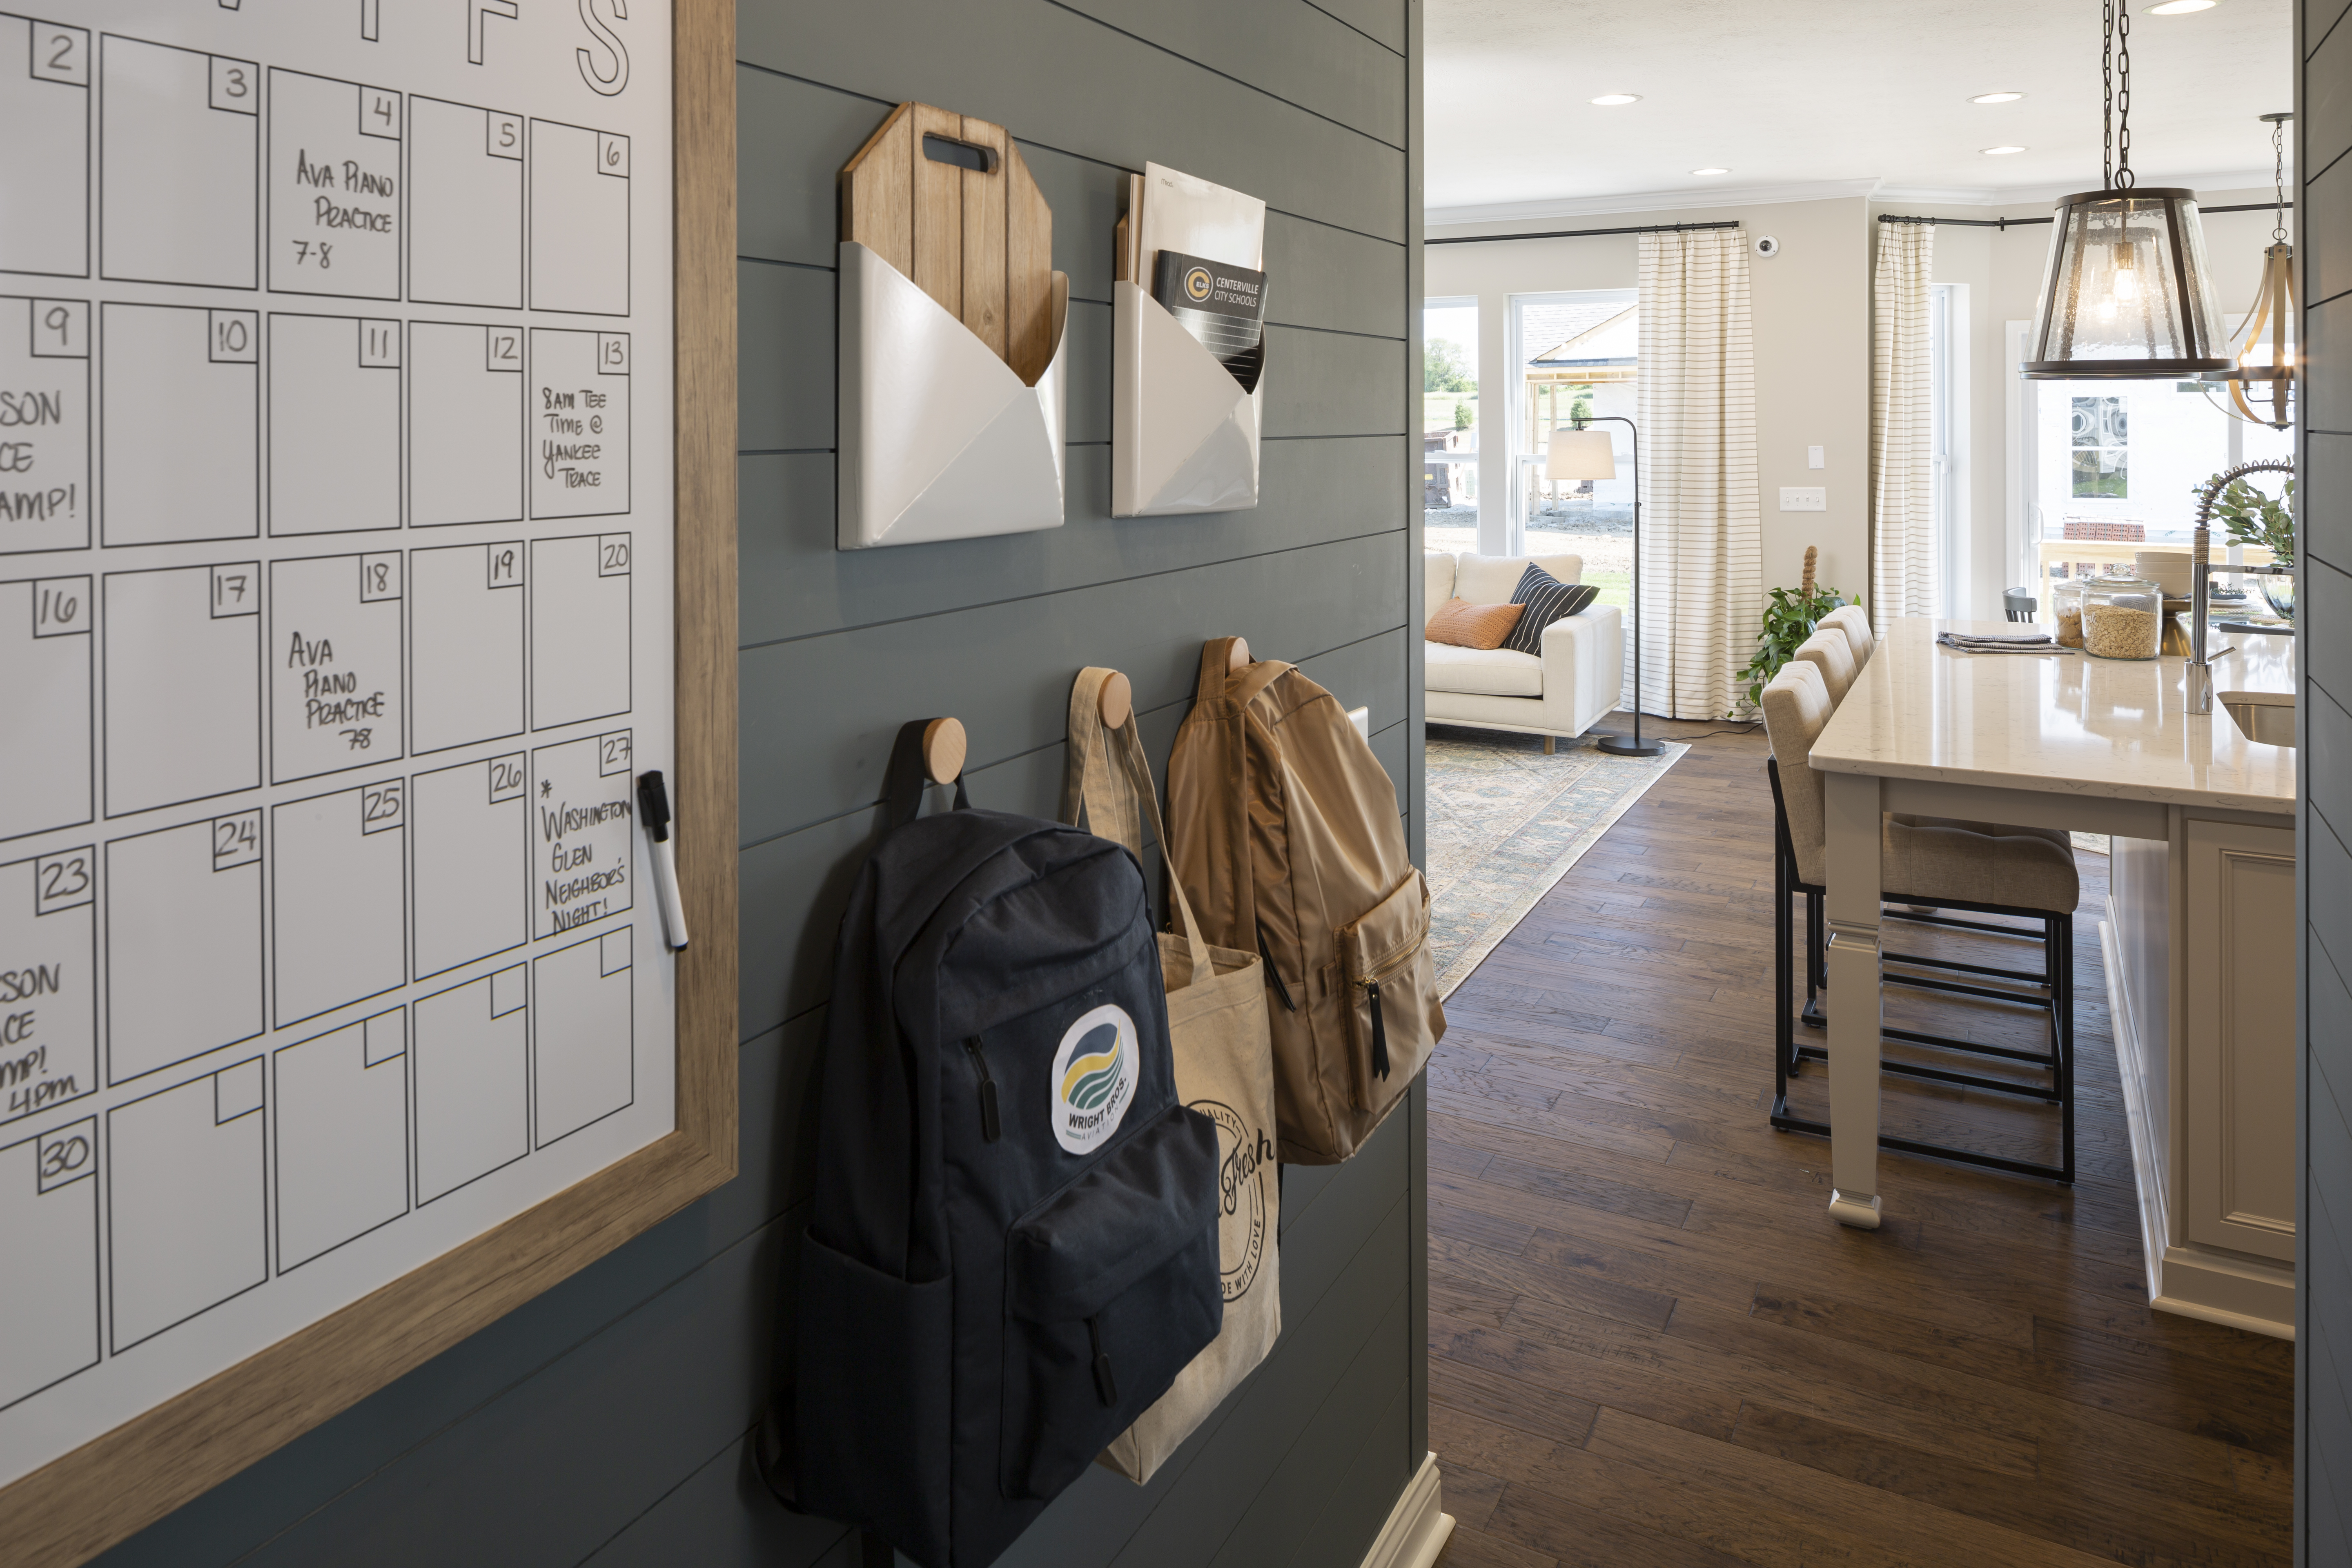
(334, 664)
(187, 1199)
(49, 994)
(939, 439)
(183, 929)
(45, 103)
(464, 205)
(339, 879)
(45, 424)
(182, 666)
(466, 677)
(342, 1105)
(472, 1052)
(178, 173)
(49, 1233)
(584, 1059)
(46, 669)
(1184, 433)
(471, 851)
(180, 434)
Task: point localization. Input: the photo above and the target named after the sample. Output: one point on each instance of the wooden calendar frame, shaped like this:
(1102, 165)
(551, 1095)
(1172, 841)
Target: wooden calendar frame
(77, 1506)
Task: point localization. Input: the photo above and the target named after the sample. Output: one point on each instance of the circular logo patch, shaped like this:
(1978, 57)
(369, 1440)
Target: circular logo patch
(1244, 1165)
(1094, 1077)
(1197, 283)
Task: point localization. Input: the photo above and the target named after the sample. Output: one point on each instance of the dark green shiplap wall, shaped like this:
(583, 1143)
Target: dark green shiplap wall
(2324, 1228)
(607, 1421)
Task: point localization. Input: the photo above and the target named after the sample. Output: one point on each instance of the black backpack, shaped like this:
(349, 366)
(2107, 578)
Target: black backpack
(1012, 1247)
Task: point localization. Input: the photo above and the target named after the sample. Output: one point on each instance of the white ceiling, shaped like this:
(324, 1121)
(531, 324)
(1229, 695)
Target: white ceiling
(1828, 97)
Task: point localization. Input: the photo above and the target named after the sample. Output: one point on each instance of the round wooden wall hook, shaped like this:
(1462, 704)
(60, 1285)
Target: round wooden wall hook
(1239, 657)
(1117, 701)
(943, 750)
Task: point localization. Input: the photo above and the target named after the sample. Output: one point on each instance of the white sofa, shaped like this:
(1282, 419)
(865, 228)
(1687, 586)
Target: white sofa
(1564, 692)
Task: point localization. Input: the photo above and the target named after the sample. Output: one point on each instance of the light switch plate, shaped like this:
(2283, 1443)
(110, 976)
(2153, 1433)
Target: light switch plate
(1804, 498)
(1813, 459)
(1362, 718)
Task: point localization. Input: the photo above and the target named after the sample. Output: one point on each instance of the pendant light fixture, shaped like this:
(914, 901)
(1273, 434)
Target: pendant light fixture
(2261, 371)
(2126, 294)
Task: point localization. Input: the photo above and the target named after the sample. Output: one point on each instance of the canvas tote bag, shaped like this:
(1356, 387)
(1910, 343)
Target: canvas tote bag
(1224, 1069)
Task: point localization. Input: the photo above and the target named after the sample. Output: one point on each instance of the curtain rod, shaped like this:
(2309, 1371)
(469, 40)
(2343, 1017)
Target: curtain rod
(2008, 223)
(1582, 233)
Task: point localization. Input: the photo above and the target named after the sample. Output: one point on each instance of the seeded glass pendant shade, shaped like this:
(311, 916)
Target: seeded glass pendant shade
(2126, 294)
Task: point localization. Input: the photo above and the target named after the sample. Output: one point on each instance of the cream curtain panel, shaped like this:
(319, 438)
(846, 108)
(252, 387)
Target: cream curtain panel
(1902, 567)
(1702, 565)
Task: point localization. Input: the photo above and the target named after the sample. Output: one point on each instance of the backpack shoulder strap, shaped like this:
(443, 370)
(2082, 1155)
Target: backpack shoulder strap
(1257, 678)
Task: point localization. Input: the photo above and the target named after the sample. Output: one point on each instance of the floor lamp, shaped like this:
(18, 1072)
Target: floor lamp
(1582, 452)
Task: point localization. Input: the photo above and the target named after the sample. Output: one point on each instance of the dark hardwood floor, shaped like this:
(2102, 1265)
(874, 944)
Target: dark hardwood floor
(1649, 1343)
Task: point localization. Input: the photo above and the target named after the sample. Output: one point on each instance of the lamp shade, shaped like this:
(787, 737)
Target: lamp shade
(2127, 293)
(1582, 455)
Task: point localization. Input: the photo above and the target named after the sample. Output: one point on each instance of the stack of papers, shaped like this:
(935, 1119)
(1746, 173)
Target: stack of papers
(2001, 642)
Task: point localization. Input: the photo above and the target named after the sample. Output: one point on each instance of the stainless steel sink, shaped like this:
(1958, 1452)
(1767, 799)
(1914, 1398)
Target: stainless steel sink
(2267, 717)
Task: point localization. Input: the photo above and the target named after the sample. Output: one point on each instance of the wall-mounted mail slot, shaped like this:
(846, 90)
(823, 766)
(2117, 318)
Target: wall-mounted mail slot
(1188, 356)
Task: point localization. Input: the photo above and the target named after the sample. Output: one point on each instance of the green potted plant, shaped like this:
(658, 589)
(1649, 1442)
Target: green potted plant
(2251, 517)
(1789, 618)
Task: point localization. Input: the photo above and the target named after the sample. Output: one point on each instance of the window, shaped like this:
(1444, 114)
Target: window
(1449, 422)
(2100, 448)
(1577, 356)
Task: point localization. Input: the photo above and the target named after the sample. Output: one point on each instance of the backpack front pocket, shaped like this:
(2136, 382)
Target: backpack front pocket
(1111, 1288)
(1383, 959)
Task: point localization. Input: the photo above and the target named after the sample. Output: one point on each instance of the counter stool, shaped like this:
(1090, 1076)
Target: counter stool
(1850, 620)
(1829, 651)
(1931, 864)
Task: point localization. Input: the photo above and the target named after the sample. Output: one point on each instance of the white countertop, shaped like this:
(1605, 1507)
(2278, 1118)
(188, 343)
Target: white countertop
(2064, 722)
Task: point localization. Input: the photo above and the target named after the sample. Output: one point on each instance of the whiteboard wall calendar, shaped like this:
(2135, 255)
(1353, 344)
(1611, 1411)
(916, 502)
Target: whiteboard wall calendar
(336, 618)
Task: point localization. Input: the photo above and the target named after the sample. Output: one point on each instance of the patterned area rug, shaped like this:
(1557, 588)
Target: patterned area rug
(1506, 822)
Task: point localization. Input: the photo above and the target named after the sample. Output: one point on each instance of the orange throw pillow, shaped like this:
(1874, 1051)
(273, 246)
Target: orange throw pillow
(1462, 624)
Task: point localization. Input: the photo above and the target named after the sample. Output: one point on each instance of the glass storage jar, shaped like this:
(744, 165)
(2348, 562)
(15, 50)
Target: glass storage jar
(2123, 617)
(2066, 604)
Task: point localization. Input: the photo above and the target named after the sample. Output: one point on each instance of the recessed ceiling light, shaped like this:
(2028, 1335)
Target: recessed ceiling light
(2000, 152)
(1710, 170)
(1611, 99)
(2179, 7)
(1997, 98)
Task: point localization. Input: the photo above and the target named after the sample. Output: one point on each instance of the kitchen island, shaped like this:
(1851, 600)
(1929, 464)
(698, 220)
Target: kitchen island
(2198, 936)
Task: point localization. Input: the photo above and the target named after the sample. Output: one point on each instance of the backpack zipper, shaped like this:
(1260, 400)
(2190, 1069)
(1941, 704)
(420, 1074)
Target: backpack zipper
(989, 1129)
(1379, 1031)
(1104, 1385)
(1274, 972)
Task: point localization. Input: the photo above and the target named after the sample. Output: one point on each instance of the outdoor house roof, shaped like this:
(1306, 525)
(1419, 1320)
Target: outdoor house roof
(1596, 342)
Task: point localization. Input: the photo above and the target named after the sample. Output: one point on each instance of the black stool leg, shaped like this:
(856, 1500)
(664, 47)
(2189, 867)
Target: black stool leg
(2065, 1032)
(1817, 962)
(1784, 1045)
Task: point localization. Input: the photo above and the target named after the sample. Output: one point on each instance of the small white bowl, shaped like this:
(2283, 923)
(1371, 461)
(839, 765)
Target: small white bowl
(2168, 569)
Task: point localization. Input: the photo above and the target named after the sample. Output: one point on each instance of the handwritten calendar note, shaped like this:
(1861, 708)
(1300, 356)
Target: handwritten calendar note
(335, 622)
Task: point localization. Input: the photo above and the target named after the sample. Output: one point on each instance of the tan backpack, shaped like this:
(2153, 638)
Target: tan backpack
(1287, 841)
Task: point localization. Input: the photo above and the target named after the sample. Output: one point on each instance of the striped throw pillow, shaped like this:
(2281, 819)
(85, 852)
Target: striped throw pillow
(1547, 599)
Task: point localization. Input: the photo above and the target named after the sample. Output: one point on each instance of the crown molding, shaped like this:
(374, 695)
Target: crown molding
(2046, 192)
(1677, 200)
(1447, 220)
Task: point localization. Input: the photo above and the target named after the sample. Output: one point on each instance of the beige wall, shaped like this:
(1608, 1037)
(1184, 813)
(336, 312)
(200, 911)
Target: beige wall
(1812, 315)
(1810, 307)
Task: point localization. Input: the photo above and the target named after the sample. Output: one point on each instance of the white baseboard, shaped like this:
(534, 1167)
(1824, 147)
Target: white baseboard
(1417, 1527)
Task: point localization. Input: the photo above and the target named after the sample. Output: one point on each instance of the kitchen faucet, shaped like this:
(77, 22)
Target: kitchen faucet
(2200, 567)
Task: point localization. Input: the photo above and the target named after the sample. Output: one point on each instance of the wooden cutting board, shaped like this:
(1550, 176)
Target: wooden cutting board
(946, 199)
